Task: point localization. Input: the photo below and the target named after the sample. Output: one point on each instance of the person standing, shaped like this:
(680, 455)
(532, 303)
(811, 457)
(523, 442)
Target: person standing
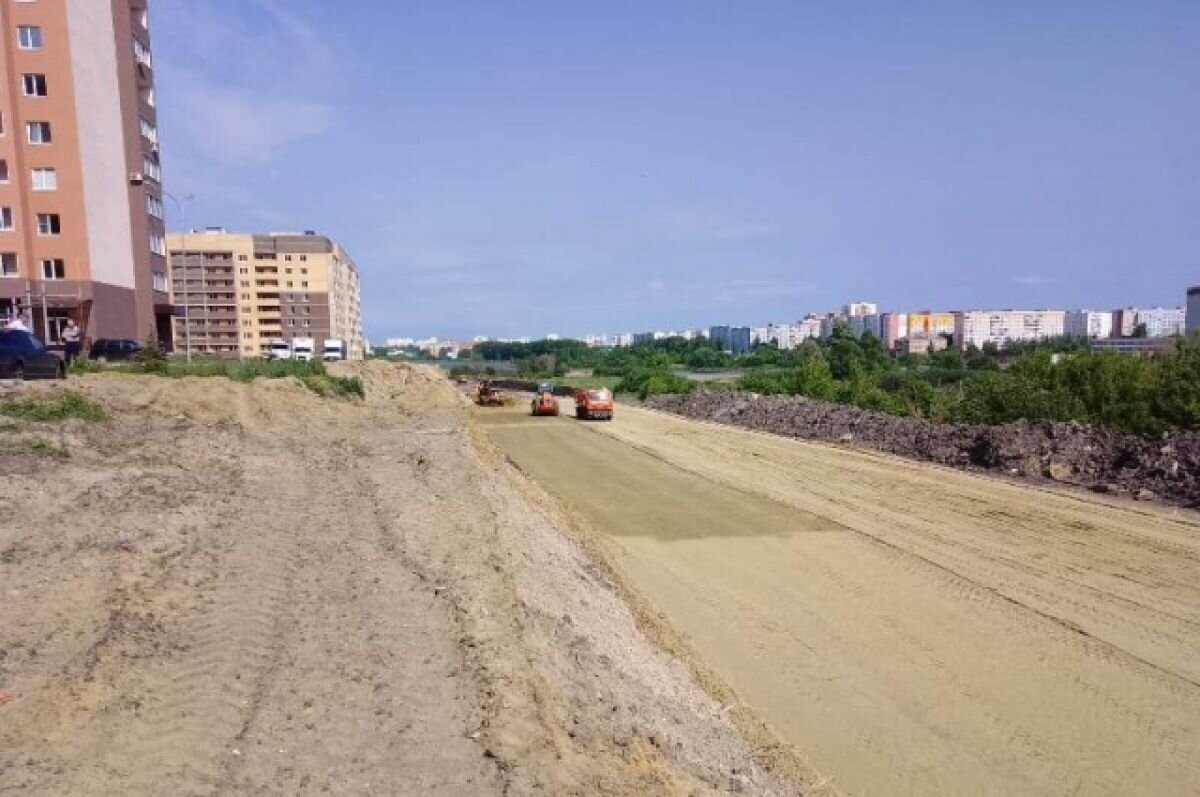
(70, 337)
(18, 322)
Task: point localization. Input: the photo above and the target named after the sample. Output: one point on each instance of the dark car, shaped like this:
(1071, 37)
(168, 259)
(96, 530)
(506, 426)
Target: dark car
(24, 356)
(105, 350)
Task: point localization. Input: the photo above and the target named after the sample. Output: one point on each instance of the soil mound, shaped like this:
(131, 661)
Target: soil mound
(1165, 467)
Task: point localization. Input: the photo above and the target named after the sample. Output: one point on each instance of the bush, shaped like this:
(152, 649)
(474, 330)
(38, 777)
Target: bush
(645, 382)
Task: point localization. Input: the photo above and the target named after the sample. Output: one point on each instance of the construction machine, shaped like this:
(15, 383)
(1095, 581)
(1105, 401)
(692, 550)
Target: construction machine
(488, 395)
(594, 403)
(544, 402)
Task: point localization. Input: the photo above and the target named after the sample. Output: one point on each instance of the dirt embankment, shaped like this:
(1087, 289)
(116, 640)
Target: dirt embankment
(1165, 467)
(246, 589)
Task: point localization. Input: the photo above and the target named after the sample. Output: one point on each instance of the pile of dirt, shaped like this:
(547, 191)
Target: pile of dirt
(1165, 467)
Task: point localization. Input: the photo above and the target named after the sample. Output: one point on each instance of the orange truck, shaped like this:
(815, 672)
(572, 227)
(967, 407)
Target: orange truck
(594, 403)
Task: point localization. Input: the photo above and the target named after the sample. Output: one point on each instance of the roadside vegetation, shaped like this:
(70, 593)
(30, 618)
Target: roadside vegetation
(1052, 380)
(312, 373)
(68, 406)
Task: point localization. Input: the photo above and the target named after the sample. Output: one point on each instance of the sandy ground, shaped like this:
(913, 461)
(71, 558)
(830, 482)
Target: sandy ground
(910, 629)
(247, 590)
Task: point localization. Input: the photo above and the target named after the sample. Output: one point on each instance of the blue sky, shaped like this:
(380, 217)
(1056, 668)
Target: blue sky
(519, 168)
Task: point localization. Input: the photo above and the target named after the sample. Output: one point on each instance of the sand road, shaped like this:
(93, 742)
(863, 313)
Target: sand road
(910, 630)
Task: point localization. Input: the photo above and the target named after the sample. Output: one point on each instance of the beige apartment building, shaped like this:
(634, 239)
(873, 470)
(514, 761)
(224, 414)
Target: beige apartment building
(238, 292)
(81, 213)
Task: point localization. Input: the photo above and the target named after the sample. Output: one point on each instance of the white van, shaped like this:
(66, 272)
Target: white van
(333, 349)
(302, 349)
(279, 350)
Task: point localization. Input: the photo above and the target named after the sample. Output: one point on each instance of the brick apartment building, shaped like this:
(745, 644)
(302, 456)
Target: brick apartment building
(242, 291)
(81, 230)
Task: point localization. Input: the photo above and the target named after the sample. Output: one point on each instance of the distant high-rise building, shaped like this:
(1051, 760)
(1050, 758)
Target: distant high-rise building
(242, 291)
(1002, 326)
(719, 337)
(893, 327)
(1162, 322)
(81, 202)
(1090, 324)
(739, 341)
(859, 308)
(1192, 323)
(925, 324)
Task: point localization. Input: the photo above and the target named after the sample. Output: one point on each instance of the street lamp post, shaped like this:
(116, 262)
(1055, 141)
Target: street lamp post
(187, 319)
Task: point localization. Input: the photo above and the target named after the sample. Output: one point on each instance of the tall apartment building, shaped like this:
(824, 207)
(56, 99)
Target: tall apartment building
(81, 230)
(1089, 324)
(998, 327)
(242, 291)
(1192, 320)
(859, 308)
(926, 324)
(893, 327)
(1162, 322)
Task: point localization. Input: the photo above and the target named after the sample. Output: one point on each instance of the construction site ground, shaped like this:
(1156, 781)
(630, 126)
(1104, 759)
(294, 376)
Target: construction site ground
(244, 589)
(909, 629)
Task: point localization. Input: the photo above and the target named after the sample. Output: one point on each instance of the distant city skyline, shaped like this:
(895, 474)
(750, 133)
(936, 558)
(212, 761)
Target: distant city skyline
(537, 166)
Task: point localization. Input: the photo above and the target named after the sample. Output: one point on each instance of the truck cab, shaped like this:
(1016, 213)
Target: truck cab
(333, 349)
(279, 350)
(302, 349)
(594, 403)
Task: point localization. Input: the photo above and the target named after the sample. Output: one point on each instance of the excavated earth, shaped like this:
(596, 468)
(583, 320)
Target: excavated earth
(1165, 467)
(244, 589)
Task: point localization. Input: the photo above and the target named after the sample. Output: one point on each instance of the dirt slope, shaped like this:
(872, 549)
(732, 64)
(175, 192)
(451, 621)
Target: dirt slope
(243, 589)
(913, 630)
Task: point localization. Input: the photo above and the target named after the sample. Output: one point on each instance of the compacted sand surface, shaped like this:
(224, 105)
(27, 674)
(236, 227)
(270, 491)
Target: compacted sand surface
(909, 629)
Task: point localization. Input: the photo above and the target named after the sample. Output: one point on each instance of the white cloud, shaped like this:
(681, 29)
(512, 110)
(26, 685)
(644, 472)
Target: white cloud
(241, 128)
(239, 81)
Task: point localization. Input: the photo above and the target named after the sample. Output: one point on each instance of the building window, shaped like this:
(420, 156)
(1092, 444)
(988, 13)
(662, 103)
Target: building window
(243, 258)
(154, 206)
(304, 284)
(142, 53)
(45, 180)
(38, 132)
(34, 85)
(243, 270)
(303, 271)
(6, 220)
(54, 269)
(49, 224)
(3, 171)
(245, 283)
(29, 37)
(158, 281)
(303, 258)
(287, 257)
(289, 284)
(152, 169)
(8, 264)
(246, 296)
(287, 271)
(149, 131)
(157, 245)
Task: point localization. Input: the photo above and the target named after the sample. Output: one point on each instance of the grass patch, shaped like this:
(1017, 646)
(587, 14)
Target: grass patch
(335, 386)
(9, 427)
(65, 407)
(311, 373)
(45, 448)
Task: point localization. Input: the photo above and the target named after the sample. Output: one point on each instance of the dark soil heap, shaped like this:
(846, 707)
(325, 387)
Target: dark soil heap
(1165, 467)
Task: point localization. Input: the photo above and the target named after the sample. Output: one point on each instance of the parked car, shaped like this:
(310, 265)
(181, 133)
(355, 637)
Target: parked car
(105, 350)
(24, 356)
